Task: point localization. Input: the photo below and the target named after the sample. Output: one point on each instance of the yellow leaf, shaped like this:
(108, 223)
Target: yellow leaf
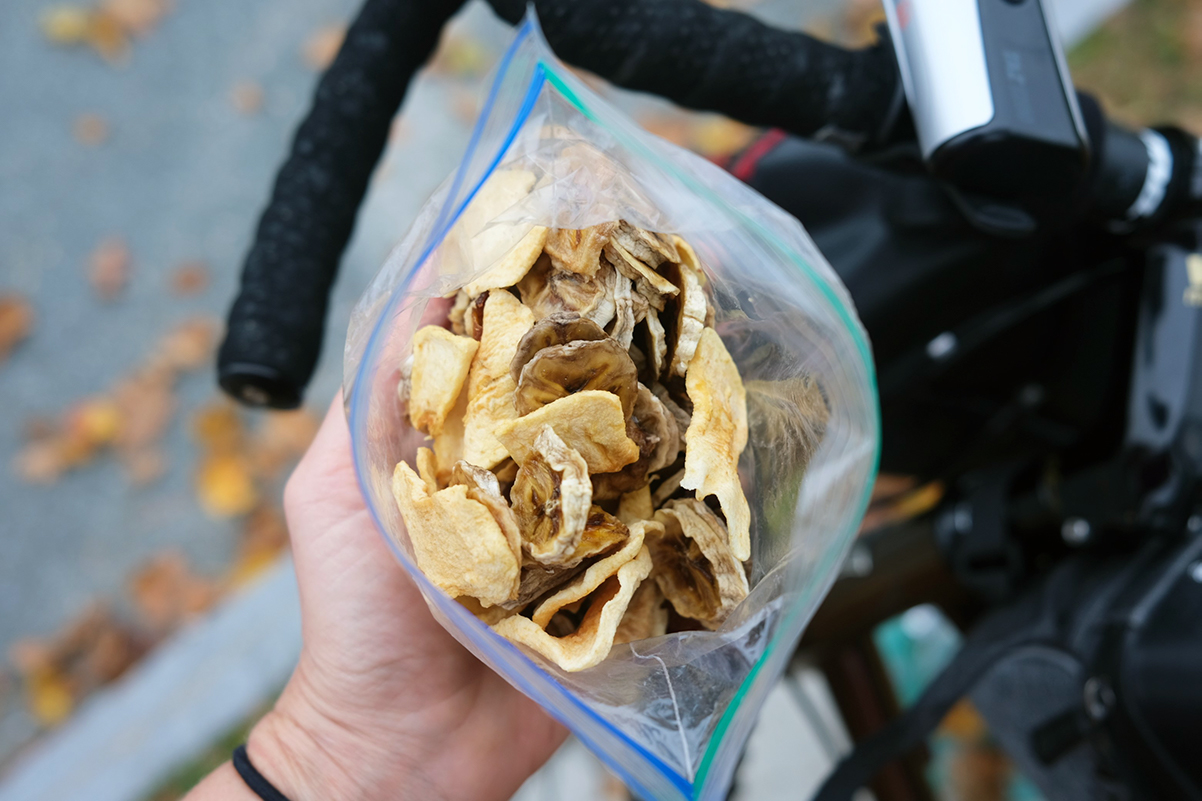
(50, 699)
(225, 487)
(65, 25)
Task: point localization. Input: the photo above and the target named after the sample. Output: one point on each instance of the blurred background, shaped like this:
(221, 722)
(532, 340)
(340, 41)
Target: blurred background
(147, 607)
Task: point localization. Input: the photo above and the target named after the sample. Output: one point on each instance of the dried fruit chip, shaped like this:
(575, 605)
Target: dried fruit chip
(717, 435)
(547, 291)
(624, 310)
(483, 487)
(578, 250)
(489, 386)
(551, 497)
(592, 640)
(595, 575)
(448, 446)
(646, 616)
(636, 270)
(557, 329)
(457, 543)
(16, 322)
(590, 422)
(458, 315)
(657, 343)
(441, 361)
(427, 469)
(682, 417)
(513, 266)
(561, 370)
(635, 506)
(650, 248)
(694, 566)
(658, 425)
(490, 615)
(691, 311)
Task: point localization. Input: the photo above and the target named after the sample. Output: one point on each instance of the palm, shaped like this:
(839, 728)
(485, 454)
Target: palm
(376, 663)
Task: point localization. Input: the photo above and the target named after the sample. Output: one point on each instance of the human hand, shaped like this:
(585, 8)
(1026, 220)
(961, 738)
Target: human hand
(384, 703)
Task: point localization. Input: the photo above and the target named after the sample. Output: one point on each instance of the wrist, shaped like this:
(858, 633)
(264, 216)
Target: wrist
(307, 756)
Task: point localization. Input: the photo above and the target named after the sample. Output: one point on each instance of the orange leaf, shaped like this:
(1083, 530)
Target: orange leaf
(108, 268)
(16, 322)
(218, 427)
(323, 45)
(138, 17)
(190, 278)
(247, 97)
(49, 697)
(281, 440)
(90, 129)
(224, 486)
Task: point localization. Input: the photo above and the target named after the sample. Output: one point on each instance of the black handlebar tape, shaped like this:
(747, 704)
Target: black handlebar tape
(712, 59)
(276, 324)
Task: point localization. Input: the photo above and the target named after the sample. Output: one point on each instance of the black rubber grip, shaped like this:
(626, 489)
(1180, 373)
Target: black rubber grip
(713, 59)
(276, 324)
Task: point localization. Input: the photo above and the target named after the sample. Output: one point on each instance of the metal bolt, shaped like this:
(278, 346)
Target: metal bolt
(1098, 698)
(1076, 531)
(942, 346)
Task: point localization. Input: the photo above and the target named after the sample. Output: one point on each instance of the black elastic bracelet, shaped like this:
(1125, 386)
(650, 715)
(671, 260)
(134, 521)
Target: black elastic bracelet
(254, 780)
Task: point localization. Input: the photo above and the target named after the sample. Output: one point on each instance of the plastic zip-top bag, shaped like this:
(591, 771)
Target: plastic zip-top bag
(652, 611)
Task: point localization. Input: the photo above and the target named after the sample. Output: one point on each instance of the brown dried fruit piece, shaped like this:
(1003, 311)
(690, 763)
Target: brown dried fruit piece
(551, 497)
(557, 329)
(635, 269)
(694, 566)
(592, 640)
(483, 487)
(650, 248)
(595, 575)
(456, 541)
(646, 616)
(626, 307)
(546, 291)
(691, 309)
(717, 435)
(652, 428)
(441, 361)
(578, 250)
(590, 422)
(489, 385)
(561, 370)
(602, 535)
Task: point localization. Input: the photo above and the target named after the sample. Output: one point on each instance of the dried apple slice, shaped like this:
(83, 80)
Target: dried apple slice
(483, 487)
(489, 385)
(441, 361)
(456, 541)
(636, 505)
(590, 422)
(646, 616)
(717, 435)
(513, 266)
(595, 575)
(592, 640)
(694, 565)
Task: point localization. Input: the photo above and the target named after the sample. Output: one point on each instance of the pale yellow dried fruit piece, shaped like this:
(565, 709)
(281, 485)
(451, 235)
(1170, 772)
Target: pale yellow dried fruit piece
(646, 616)
(427, 468)
(458, 314)
(489, 386)
(490, 614)
(548, 291)
(717, 435)
(624, 311)
(483, 487)
(649, 247)
(636, 506)
(602, 535)
(551, 498)
(635, 269)
(657, 352)
(666, 489)
(441, 361)
(448, 445)
(694, 566)
(591, 642)
(589, 422)
(690, 319)
(595, 575)
(456, 542)
(513, 266)
(578, 250)
(688, 256)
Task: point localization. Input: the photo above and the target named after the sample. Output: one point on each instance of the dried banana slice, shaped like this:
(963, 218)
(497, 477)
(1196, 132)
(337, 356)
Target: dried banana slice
(646, 616)
(458, 313)
(551, 498)
(557, 329)
(456, 542)
(590, 422)
(593, 638)
(682, 417)
(561, 370)
(441, 361)
(650, 248)
(652, 428)
(595, 575)
(513, 266)
(636, 270)
(602, 535)
(489, 385)
(546, 291)
(691, 310)
(717, 435)
(694, 566)
(483, 487)
(657, 343)
(578, 250)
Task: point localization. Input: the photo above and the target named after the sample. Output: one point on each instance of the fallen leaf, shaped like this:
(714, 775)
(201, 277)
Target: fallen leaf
(247, 97)
(166, 592)
(107, 37)
(94, 421)
(217, 427)
(138, 17)
(66, 25)
(146, 400)
(264, 537)
(108, 268)
(49, 697)
(225, 486)
(90, 129)
(190, 278)
(143, 465)
(281, 440)
(188, 346)
(323, 45)
(16, 322)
